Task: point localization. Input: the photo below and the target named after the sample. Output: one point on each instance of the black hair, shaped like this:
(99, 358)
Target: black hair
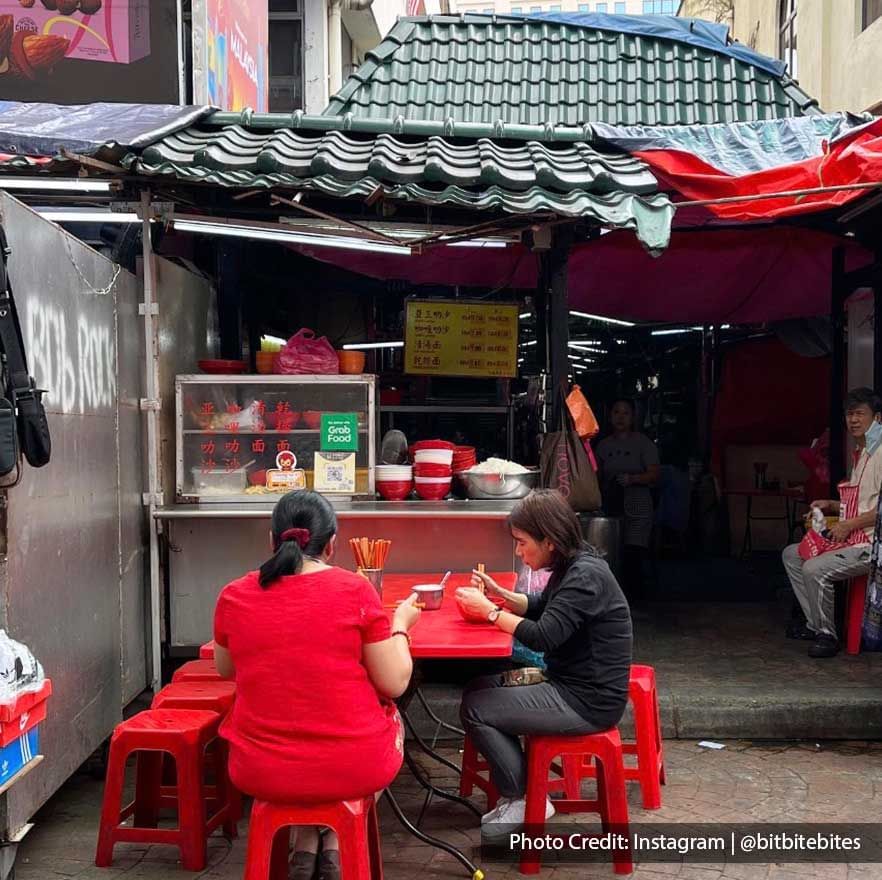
(305, 510)
(859, 396)
(545, 515)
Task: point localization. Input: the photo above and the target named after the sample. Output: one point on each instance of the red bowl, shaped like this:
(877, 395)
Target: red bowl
(312, 419)
(221, 367)
(427, 469)
(394, 490)
(257, 478)
(432, 491)
(432, 444)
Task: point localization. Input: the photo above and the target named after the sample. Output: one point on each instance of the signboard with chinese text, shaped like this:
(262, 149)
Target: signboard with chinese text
(231, 54)
(461, 338)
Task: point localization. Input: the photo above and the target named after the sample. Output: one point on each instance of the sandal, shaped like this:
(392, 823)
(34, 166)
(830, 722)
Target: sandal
(329, 865)
(302, 865)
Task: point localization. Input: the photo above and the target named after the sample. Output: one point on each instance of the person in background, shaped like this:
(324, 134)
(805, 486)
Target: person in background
(317, 667)
(629, 467)
(580, 621)
(813, 580)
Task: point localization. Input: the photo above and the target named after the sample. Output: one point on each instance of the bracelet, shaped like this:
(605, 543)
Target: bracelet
(401, 632)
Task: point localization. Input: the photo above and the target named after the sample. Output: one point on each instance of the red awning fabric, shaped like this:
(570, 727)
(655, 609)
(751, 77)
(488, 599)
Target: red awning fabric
(856, 157)
(735, 276)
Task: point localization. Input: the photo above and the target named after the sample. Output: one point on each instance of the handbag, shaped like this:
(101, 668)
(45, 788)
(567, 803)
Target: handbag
(564, 464)
(20, 389)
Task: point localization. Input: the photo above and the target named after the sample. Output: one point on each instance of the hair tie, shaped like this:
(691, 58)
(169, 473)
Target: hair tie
(301, 536)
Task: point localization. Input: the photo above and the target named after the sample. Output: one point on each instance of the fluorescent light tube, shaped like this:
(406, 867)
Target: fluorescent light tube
(529, 342)
(276, 339)
(89, 217)
(55, 184)
(673, 331)
(525, 315)
(260, 234)
(365, 345)
(603, 319)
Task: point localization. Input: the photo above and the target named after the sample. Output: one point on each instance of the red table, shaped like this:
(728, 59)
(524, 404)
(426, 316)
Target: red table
(443, 634)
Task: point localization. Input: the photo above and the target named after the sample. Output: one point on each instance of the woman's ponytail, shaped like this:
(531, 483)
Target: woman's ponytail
(303, 523)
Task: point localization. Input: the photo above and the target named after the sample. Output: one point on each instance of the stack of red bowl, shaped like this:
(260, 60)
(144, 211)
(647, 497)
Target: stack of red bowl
(464, 457)
(433, 468)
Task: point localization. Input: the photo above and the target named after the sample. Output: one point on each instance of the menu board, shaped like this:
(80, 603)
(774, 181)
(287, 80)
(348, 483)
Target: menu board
(461, 338)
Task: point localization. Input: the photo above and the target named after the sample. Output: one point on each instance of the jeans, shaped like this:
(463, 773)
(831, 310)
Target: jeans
(495, 716)
(813, 580)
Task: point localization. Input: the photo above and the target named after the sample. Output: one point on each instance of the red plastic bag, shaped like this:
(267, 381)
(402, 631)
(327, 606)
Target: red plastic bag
(583, 416)
(303, 353)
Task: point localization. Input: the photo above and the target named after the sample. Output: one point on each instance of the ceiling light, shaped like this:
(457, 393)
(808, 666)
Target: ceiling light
(477, 242)
(528, 342)
(72, 216)
(365, 345)
(582, 347)
(268, 234)
(277, 340)
(525, 315)
(55, 184)
(602, 318)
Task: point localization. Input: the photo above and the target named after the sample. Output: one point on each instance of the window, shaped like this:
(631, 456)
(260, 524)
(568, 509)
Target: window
(872, 11)
(621, 8)
(285, 56)
(601, 7)
(583, 7)
(787, 35)
(659, 7)
(487, 11)
(517, 9)
(535, 9)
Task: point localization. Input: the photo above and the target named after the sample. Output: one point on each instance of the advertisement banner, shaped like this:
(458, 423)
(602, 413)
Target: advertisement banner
(81, 51)
(231, 54)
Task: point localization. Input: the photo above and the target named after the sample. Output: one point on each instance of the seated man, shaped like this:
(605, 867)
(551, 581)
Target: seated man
(813, 580)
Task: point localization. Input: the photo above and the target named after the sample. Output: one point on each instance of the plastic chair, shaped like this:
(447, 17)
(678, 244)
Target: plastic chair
(197, 670)
(184, 734)
(354, 821)
(854, 615)
(470, 774)
(206, 651)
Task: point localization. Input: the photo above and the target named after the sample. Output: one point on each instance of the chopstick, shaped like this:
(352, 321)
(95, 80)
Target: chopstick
(368, 553)
(481, 570)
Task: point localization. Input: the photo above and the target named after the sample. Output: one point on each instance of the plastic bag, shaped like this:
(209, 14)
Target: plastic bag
(529, 583)
(304, 353)
(583, 415)
(20, 671)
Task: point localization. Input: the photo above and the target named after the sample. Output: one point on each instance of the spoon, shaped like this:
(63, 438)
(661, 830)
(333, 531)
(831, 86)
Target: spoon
(444, 580)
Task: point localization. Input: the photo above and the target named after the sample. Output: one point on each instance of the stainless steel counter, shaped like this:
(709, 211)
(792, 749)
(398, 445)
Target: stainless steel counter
(350, 510)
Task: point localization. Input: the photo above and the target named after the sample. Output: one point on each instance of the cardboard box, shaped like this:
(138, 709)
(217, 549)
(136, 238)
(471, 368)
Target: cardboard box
(24, 714)
(19, 753)
(119, 32)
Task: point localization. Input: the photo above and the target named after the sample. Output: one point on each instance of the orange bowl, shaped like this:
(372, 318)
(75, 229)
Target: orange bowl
(351, 362)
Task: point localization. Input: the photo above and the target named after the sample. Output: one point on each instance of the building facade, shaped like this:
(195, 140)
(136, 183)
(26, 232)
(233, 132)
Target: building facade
(614, 7)
(832, 48)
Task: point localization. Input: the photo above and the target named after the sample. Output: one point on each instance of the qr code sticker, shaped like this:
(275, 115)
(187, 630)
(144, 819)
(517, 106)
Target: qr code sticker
(335, 473)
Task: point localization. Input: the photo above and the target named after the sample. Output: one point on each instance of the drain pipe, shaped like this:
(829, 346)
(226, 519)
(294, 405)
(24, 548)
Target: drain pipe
(335, 38)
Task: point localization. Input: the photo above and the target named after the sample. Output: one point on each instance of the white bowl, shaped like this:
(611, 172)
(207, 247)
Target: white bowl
(433, 480)
(434, 456)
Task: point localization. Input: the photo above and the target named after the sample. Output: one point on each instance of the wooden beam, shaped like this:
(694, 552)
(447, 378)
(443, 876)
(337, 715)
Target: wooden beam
(351, 224)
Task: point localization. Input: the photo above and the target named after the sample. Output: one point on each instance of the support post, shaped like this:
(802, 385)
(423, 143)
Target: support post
(877, 334)
(555, 263)
(151, 390)
(838, 293)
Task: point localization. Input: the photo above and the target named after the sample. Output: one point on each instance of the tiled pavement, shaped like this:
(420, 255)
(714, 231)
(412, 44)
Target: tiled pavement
(745, 782)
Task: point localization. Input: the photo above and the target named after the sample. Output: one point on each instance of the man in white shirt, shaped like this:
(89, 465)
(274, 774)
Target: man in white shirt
(813, 580)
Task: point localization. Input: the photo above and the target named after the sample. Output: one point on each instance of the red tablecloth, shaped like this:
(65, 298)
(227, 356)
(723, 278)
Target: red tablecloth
(443, 634)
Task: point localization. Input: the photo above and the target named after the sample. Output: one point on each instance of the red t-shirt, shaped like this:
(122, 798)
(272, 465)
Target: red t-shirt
(307, 724)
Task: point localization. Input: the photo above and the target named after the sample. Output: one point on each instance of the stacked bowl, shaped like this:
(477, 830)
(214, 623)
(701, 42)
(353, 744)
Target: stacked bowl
(433, 468)
(464, 457)
(394, 481)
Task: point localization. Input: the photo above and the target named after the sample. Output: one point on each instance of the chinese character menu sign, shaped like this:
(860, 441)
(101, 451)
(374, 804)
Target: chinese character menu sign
(461, 338)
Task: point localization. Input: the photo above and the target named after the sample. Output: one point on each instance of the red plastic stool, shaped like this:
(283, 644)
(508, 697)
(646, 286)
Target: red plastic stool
(197, 670)
(184, 734)
(605, 749)
(854, 615)
(470, 774)
(215, 696)
(354, 821)
(647, 746)
(206, 651)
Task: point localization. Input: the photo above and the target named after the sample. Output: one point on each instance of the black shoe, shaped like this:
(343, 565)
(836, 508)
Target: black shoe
(824, 646)
(329, 865)
(302, 865)
(798, 630)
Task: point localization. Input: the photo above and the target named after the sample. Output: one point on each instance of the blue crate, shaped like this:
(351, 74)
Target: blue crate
(19, 753)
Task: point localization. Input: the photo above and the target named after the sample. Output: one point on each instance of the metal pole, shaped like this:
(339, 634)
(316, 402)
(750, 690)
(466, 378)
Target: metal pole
(837, 379)
(182, 55)
(558, 327)
(151, 405)
(877, 334)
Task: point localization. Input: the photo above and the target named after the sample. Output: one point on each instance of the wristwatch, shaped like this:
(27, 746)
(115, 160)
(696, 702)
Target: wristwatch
(493, 616)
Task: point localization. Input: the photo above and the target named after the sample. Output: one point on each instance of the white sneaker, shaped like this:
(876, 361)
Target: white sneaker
(509, 812)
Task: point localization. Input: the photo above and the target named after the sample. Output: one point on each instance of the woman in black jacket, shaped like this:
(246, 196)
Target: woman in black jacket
(581, 622)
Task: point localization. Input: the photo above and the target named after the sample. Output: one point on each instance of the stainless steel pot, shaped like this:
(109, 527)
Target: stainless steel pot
(604, 533)
(431, 595)
(491, 487)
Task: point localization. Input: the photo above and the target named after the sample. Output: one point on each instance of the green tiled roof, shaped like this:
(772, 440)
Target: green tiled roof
(571, 179)
(483, 69)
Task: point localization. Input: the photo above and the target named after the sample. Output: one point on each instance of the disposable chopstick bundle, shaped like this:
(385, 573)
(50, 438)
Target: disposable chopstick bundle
(368, 553)
(481, 569)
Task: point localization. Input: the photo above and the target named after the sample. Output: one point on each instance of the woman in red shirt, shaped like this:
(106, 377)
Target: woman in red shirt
(316, 666)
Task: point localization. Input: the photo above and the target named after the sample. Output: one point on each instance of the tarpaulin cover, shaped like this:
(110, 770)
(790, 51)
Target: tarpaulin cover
(714, 276)
(692, 31)
(44, 129)
(855, 158)
(738, 147)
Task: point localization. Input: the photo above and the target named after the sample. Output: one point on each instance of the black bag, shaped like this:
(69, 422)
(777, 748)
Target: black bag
(22, 397)
(565, 465)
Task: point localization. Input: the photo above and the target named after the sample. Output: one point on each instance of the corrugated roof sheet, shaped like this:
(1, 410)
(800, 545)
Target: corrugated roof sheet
(571, 179)
(483, 69)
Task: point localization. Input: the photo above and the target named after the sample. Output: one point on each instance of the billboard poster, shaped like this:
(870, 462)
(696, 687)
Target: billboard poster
(232, 72)
(80, 51)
